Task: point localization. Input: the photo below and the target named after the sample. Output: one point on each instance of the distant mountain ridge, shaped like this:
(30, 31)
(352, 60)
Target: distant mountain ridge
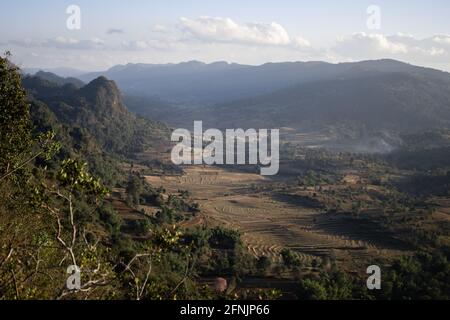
(61, 81)
(355, 100)
(395, 101)
(351, 102)
(60, 72)
(367, 96)
(197, 83)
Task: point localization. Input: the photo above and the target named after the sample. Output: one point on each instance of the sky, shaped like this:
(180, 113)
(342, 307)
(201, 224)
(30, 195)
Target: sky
(98, 34)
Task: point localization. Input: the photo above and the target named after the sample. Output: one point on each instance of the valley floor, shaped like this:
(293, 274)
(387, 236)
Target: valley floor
(270, 221)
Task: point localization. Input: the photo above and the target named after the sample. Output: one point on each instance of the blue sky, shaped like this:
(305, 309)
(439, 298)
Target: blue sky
(249, 31)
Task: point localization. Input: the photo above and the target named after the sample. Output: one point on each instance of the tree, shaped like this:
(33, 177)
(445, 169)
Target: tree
(17, 146)
(15, 128)
(262, 264)
(22, 243)
(134, 188)
(290, 259)
(334, 285)
(30, 194)
(421, 277)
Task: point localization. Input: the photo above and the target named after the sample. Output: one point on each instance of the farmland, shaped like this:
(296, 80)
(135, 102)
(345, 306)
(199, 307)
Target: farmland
(271, 218)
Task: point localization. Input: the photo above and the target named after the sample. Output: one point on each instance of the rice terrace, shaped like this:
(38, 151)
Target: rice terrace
(272, 219)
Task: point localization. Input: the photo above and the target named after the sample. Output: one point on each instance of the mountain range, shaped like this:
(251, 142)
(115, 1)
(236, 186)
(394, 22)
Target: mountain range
(374, 100)
(382, 98)
(196, 83)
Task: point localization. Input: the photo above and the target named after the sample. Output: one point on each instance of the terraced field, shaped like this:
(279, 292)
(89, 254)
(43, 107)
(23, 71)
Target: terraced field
(443, 208)
(270, 222)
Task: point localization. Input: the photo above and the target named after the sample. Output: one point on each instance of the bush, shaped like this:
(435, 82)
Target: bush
(328, 286)
(140, 226)
(263, 264)
(290, 259)
(422, 277)
(111, 219)
(224, 238)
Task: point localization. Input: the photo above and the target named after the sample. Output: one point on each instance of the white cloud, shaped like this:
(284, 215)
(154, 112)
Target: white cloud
(159, 28)
(61, 42)
(26, 43)
(71, 43)
(212, 39)
(135, 45)
(301, 42)
(433, 51)
(442, 39)
(362, 43)
(225, 30)
(146, 44)
(115, 31)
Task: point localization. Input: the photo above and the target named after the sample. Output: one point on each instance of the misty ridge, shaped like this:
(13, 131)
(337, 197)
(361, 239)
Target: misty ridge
(360, 107)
